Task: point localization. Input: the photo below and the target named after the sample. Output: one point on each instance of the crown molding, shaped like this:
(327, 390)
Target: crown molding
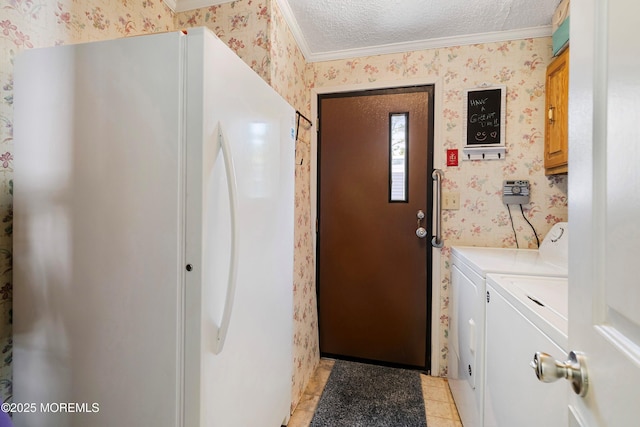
(171, 4)
(290, 18)
(497, 36)
(184, 5)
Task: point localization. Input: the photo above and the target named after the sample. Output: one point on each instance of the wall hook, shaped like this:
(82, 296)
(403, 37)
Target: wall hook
(299, 115)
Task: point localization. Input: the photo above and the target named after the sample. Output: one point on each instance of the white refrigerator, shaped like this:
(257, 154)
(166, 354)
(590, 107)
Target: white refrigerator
(153, 241)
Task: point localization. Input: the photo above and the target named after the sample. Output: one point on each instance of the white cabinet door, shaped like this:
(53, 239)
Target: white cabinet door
(604, 154)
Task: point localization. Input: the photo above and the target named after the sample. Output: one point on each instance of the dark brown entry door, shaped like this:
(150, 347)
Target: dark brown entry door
(373, 270)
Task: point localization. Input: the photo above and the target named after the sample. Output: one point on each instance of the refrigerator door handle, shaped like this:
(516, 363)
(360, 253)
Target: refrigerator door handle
(233, 262)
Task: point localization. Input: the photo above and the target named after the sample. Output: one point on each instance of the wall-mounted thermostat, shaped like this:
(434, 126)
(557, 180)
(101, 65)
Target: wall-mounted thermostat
(515, 192)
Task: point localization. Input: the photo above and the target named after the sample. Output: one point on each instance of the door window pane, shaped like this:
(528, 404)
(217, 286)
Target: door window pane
(398, 155)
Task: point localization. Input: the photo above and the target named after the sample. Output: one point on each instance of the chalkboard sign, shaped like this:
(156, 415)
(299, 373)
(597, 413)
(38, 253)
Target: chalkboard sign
(484, 115)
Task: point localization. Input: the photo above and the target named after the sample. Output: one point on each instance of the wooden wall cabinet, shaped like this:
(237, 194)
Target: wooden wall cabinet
(556, 139)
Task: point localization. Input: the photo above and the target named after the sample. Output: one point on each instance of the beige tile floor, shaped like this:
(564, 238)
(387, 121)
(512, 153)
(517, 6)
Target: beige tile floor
(439, 406)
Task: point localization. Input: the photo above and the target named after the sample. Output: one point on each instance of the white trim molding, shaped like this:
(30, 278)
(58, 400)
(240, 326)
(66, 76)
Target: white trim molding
(497, 36)
(171, 4)
(184, 5)
(295, 29)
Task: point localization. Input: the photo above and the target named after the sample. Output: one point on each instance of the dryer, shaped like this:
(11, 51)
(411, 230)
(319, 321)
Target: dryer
(525, 314)
(467, 309)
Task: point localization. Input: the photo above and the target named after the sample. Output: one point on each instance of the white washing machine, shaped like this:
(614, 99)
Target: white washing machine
(467, 309)
(525, 314)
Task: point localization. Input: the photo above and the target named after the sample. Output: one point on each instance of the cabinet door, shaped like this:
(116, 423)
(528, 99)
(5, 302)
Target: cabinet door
(557, 85)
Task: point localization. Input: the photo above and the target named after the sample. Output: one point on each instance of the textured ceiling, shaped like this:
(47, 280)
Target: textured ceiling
(331, 29)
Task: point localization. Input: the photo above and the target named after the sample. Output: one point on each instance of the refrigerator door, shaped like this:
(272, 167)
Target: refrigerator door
(98, 237)
(244, 380)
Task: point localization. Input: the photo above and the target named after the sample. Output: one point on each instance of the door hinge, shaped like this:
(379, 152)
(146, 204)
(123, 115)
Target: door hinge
(317, 226)
(317, 124)
(488, 297)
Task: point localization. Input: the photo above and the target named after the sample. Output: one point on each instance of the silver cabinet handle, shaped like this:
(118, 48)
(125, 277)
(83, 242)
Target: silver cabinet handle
(437, 175)
(573, 369)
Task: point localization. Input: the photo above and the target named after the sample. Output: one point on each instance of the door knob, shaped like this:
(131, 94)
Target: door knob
(573, 369)
(420, 232)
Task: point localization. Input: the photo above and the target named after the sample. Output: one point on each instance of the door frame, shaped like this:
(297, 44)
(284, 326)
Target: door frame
(438, 163)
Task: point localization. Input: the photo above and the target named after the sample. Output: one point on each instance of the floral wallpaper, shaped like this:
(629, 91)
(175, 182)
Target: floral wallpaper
(482, 219)
(289, 79)
(243, 25)
(257, 32)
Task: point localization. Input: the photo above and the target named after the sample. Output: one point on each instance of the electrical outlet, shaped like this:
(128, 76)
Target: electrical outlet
(451, 201)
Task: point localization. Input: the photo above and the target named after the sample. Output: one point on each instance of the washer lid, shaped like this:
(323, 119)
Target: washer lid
(505, 260)
(542, 300)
